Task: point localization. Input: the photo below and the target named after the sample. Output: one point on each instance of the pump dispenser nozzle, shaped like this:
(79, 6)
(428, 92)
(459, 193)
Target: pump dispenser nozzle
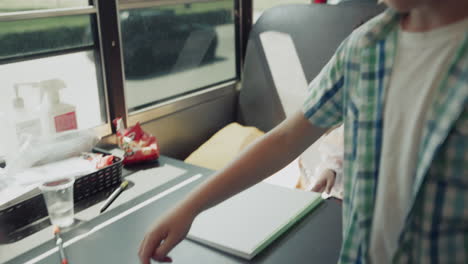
(51, 88)
(18, 101)
(25, 121)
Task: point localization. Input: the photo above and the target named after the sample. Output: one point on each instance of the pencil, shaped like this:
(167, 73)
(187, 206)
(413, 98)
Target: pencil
(114, 195)
(59, 243)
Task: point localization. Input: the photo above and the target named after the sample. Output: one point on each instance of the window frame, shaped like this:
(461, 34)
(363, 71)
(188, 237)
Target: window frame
(104, 14)
(198, 96)
(91, 10)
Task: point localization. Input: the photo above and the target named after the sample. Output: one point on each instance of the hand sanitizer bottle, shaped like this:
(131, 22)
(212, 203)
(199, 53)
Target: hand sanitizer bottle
(27, 121)
(56, 116)
(19, 122)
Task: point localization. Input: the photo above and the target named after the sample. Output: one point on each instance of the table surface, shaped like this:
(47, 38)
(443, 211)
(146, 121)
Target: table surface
(114, 236)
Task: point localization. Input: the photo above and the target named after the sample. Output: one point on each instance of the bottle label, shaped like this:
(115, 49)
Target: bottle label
(65, 122)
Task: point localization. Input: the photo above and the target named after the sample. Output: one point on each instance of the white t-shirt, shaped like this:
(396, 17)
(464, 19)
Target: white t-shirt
(421, 62)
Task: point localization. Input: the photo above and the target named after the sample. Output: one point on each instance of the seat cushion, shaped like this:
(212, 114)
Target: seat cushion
(223, 146)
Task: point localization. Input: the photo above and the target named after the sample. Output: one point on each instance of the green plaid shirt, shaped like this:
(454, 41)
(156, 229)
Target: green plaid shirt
(350, 89)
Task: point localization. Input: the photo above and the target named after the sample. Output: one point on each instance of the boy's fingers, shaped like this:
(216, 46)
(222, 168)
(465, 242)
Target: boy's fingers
(149, 245)
(319, 186)
(165, 259)
(167, 245)
(330, 182)
(140, 251)
(329, 185)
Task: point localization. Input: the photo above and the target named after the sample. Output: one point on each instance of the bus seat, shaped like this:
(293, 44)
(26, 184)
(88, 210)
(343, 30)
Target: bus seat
(287, 48)
(270, 77)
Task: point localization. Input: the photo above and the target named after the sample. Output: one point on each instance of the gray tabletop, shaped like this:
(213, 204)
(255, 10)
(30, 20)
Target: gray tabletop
(114, 237)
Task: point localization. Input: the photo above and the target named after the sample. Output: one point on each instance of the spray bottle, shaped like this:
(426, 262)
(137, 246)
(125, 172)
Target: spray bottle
(26, 120)
(19, 121)
(56, 116)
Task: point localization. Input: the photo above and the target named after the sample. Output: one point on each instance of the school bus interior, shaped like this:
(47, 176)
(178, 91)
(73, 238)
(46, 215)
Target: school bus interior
(183, 70)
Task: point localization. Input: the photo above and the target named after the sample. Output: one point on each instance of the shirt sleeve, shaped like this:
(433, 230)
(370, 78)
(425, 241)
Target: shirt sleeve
(323, 106)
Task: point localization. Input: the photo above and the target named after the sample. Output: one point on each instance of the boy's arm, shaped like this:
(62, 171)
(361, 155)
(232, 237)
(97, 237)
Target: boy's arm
(264, 157)
(323, 107)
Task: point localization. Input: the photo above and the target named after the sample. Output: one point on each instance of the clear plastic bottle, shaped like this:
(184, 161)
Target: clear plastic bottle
(27, 121)
(18, 122)
(56, 116)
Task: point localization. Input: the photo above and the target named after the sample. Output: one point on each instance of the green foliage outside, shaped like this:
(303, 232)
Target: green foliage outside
(18, 38)
(83, 21)
(24, 5)
(23, 26)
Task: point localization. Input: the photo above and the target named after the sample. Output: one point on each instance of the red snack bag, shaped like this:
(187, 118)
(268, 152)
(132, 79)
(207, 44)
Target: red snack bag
(138, 145)
(105, 161)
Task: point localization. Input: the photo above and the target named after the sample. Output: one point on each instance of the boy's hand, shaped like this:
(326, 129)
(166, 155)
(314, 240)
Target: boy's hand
(325, 182)
(164, 236)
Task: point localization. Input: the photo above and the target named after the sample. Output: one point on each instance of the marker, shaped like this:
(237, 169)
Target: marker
(59, 243)
(114, 195)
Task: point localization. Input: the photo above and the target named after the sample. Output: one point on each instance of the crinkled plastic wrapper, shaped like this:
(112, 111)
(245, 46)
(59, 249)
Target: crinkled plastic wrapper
(138, 145)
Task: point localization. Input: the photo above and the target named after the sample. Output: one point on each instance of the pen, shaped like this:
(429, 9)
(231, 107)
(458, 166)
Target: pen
(114, 195)
(59, 243)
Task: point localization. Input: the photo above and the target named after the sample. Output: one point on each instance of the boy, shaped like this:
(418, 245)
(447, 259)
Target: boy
(406, 140)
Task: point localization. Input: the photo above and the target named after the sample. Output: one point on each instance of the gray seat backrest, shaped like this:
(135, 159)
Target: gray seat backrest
(316, 31)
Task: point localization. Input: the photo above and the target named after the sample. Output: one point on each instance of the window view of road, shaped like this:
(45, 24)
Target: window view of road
(174, 50)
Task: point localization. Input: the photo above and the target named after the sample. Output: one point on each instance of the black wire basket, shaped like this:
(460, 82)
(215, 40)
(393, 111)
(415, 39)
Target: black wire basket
(30, 215)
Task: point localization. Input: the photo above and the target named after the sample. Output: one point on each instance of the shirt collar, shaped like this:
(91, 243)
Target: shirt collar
(381, 27)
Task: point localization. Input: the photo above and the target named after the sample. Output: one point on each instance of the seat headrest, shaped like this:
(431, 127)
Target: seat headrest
(285, 40)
